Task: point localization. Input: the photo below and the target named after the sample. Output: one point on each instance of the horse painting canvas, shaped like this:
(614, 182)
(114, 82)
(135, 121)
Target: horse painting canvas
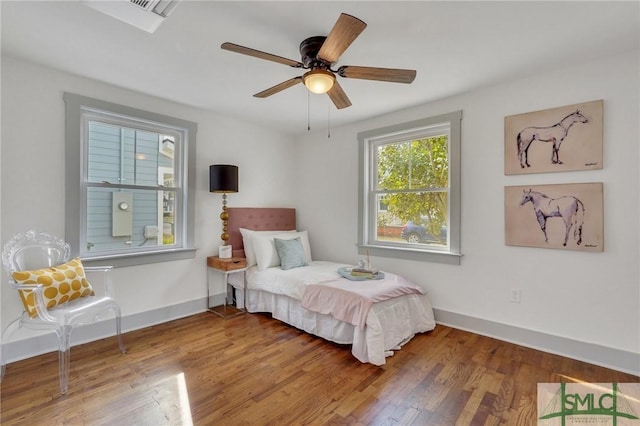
(534, 141)
(564, 216)
(568, 208)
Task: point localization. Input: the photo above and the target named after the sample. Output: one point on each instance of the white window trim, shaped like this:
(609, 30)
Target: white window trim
(74, 195)
(365, 140)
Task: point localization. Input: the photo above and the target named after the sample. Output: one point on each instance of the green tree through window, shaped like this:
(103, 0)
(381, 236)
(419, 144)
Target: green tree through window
(419, 170)
(409, 191)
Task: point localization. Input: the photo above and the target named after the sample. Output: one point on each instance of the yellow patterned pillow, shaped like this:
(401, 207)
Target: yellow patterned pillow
(61, 284)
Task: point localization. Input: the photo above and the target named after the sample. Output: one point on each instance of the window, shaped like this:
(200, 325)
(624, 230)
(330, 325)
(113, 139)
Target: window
(409, 192)
(130, 183)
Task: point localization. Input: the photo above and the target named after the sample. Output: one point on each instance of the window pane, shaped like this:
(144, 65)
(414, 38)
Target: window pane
(129, 219)
(429, 164)
(393, 166)
(121, 155)
(104, 153)
(388, 225)
(413, 218)
(168, 217)
(416, 164)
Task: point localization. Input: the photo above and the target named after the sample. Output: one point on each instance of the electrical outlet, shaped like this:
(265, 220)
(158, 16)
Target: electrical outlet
(515, 295)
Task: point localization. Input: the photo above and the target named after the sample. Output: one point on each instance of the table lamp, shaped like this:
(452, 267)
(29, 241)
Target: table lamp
(223, 178)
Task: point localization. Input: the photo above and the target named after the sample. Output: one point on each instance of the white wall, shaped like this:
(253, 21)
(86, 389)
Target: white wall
(587, 297)
(584, 297)
(33, 179)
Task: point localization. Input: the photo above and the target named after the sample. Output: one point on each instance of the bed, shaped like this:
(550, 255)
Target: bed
(384, 327)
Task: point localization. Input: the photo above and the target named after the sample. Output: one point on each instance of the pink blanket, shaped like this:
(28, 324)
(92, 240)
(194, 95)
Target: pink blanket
(350, 301)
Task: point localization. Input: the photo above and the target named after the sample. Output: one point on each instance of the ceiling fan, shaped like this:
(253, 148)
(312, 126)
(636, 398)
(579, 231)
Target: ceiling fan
(319, 54)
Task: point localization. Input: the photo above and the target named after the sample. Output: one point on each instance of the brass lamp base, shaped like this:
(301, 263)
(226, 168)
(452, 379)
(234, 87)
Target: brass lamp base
(225, 218)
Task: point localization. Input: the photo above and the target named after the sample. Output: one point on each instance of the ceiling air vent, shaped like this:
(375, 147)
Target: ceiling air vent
(142, 3)
(144, 14)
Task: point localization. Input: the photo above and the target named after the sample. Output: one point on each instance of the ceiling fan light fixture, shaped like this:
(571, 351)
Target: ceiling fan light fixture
(318, 54)
(319, 81)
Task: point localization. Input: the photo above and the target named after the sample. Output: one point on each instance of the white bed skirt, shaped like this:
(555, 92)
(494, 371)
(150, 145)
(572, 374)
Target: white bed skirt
(390, 324)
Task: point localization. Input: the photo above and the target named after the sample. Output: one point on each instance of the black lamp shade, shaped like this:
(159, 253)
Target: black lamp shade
(223, 178)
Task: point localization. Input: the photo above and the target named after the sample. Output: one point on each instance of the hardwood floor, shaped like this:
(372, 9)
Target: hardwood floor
(253, 370)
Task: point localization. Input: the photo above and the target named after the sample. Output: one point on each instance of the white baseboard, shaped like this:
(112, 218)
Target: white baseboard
(616, 359)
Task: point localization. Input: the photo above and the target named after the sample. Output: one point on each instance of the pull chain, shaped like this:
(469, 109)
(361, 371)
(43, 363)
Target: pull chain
(329, 122)
(309, 116)
(308, 111)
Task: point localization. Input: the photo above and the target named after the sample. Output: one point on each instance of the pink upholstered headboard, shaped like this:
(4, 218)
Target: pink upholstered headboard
(258, 219)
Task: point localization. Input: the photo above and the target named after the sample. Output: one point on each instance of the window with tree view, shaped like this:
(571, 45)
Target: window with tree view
(412, 190)
(410, 177)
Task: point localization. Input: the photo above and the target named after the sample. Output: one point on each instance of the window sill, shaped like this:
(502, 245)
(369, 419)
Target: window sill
(133, 259)
(411, 254)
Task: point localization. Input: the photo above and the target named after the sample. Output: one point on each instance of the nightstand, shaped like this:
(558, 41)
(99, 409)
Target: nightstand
(226, 267)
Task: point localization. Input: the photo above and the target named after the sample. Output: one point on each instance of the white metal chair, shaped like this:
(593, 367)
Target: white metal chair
(39, 267)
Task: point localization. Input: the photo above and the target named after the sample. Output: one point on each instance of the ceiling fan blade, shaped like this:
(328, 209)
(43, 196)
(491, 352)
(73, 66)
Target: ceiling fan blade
(260, 54)
(381, 74)
(346, 29)
(338, 97)
(279, 87)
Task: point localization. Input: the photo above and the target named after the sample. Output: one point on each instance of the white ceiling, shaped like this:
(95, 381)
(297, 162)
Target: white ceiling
(454, 46)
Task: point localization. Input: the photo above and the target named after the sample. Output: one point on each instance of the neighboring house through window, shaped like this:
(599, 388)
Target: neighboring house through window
(130, 183)
(409, 191)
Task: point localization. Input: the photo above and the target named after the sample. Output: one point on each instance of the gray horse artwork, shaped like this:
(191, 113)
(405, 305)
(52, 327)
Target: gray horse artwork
(570, 209)
(554, 134)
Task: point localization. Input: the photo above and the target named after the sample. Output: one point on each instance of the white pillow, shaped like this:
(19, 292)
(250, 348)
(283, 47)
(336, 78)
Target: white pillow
(247, 241)
(265, 248)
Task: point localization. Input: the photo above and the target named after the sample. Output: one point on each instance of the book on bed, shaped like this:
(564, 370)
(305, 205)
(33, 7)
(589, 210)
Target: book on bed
(367, 273)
